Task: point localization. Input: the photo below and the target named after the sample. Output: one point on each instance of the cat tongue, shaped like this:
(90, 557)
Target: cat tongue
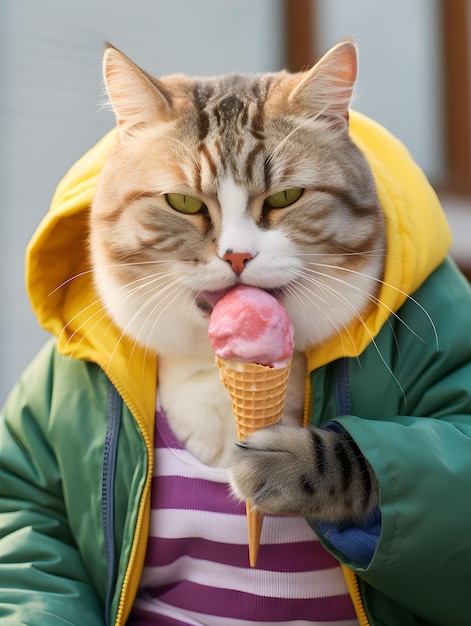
(248, 324)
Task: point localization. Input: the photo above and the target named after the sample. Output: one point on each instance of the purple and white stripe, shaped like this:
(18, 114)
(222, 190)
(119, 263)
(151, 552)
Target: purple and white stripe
(197, 570)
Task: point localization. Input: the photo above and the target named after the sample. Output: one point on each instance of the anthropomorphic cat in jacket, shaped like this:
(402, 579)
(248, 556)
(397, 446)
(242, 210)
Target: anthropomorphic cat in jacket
(77, 433)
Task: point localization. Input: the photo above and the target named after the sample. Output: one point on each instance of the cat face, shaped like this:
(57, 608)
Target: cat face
(234, 180)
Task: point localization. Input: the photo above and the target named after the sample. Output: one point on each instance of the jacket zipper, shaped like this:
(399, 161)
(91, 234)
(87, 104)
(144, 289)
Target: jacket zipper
(114, 408)
(353, 587)
(351, 578)
(137, 530)
(125, 585)
(140, 514)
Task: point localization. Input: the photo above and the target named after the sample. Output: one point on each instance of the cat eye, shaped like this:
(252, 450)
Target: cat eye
(284, 198)
(184, 204)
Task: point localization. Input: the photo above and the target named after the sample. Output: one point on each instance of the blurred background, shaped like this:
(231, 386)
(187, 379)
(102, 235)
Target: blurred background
(414, 78)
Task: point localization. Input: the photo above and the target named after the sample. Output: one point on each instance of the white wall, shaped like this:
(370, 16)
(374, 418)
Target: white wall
(51, 96)
(400, 67)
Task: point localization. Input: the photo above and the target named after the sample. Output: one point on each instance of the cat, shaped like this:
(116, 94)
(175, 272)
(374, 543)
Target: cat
(253, 180)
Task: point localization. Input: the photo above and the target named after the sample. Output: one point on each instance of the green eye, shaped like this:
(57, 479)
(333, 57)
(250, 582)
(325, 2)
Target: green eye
(184, 204)
(284, 198)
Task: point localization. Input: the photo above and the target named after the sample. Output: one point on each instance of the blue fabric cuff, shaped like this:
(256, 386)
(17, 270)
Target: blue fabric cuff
(357, 543)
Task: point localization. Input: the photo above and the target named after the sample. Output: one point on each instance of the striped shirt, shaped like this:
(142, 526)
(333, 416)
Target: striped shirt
(197, 565)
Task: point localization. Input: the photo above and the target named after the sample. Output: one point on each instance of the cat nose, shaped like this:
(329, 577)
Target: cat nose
(237, 260)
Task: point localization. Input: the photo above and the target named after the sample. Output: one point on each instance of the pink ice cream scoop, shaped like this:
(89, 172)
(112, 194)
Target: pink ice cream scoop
(249, 324)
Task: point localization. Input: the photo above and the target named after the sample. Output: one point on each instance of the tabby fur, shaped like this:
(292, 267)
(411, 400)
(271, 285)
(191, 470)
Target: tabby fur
(226, 146)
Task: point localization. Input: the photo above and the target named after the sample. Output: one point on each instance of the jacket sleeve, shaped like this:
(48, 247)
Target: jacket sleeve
(413, 423)
(43, 579)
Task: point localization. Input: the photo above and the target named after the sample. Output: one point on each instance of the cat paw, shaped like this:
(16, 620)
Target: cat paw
(307, 472)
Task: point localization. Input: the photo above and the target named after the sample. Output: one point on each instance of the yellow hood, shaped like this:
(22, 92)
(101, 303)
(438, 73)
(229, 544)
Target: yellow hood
(418, 236)
(63, 296)
(64, 299)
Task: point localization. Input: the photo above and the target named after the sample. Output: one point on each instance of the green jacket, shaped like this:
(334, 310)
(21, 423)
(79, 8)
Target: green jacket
(76, 464)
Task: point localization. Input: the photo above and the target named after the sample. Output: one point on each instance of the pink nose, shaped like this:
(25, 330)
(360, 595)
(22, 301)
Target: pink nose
(237, 260)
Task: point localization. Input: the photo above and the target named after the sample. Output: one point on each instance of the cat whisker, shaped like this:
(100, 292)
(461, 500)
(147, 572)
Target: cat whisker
(376, 253)
(125, 263)
(101, 313)
(121, 293)
(331, 291)
(313, 299)
(81, 326)
(91, 304)
(69, 280)
(163, 294)
(293, 289)
(170, 297)
(341, 298)
(91, 270)
(377, 300)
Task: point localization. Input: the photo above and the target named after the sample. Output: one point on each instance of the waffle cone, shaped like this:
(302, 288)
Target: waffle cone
(257, 392)
(258, 395)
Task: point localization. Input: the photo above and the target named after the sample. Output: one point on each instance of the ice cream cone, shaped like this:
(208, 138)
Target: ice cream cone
(258, 395)
(257, 392)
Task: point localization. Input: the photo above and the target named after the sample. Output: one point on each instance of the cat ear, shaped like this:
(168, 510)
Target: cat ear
(135, 96)
(326, 90)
